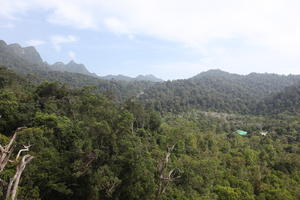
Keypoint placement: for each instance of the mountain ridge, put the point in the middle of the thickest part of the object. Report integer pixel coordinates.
(120, 77)
(14, 56)
(212, 90)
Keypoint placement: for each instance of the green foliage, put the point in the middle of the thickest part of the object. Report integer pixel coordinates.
(87, 146)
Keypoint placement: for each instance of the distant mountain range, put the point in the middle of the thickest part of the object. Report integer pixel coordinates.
(219, 91)
(26, 60)
(71, 67)
(120, 77)
(213, 90)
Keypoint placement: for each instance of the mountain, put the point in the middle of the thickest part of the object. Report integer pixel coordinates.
(28, 53)
(213, 90)
(287, 100)
(21, 60)
(26, 60)
(71, 67)
(149, 77)
(117, 77)
(216, 90)
(213, 73)
(86, 146)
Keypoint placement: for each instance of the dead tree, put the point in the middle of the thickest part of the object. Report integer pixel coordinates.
(86, 162)
(165, 175)
(5, 154)
(14, 182)
(6, 151)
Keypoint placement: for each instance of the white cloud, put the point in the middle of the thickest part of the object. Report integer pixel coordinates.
(115, 25)
(58, 40)
(9, 8)
(72, 55)
(270, 25)
(71, 13)
(118, 27)
(35, 42)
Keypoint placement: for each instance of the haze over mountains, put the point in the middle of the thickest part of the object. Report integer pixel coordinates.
(148, 77)
(213, 90)
(31, 58)
(219, 91)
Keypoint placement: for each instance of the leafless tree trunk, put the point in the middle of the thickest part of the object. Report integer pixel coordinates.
(14, 182)
(87, 160)
(5, 154)
(6, 151)
(165, 176)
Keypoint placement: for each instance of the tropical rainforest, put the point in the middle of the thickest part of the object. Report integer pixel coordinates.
(69, 136)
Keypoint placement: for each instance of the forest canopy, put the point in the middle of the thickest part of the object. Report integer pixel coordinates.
(87, 145)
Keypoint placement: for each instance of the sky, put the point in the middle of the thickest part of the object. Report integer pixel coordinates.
(171, 39)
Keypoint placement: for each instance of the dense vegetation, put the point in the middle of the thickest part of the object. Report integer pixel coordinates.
(287, 100)
(214, 90)
(27, 62)
(117, 90)
(218, 91)
(88, 146)
(106, 139)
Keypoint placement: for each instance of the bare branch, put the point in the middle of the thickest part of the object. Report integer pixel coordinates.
(26, 148)
(7, 150)
(165, 176)
(87, 161)
(5, 154)
(14, 182)
(14, 137)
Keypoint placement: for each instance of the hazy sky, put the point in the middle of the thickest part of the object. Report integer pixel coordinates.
(168, 38)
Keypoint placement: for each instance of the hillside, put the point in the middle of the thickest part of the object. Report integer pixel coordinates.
(86, 146)
(71, 67)
(25, 60)
(84, 114)
(287, 100)
(216, 90)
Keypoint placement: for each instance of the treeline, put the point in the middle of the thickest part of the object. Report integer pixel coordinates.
(113, 89)
(86, 146)
(220, 91)
(214, 90)
(285, 101)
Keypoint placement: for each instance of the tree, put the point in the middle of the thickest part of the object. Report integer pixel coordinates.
(5, 155)
(165, 174)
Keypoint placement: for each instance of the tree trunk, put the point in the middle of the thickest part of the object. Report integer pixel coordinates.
(14, 182)
(7, 150)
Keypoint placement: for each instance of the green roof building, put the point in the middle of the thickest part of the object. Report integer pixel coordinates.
(240, 132)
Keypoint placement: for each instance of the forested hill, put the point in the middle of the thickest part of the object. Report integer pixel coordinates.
(87, 147)
(26, 61)
(286, 101)
(216, 90)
